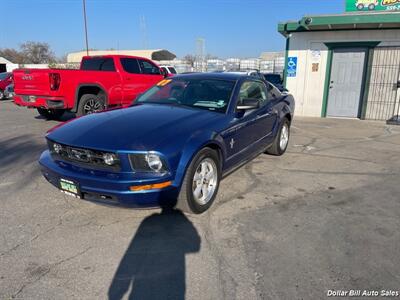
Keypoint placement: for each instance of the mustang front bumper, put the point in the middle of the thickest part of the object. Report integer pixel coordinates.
(107, 188)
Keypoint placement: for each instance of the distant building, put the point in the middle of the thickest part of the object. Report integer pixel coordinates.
(157, 54)
(6, 65)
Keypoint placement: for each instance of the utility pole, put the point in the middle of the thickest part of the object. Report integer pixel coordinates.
(86, 34)
(200, 54)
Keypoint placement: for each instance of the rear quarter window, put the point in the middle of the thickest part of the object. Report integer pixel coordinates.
(98, 64)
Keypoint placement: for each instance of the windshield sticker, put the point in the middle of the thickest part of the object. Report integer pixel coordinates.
(164, 82)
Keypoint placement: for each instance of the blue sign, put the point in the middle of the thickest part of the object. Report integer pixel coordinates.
(292, 66)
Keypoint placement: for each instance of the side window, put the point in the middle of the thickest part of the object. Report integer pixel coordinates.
(148, 68)
(253, 90)
(108, 65)
(130, 65)
(98, 64)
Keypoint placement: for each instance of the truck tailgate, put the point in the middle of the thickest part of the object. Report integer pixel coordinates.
(31, 82)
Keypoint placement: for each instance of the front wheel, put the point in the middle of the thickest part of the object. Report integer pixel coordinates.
(201, 182)
(360, 6)
(1, 95)
(371, 7)
(281, 141)
(51, 114)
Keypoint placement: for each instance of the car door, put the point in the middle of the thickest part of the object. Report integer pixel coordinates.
(244, 135)
(267, 115)
(150, 73)
(132, 79)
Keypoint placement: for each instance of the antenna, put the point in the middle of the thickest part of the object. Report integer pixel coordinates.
(143, 31)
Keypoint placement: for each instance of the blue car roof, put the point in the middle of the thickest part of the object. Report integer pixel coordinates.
(221, 76)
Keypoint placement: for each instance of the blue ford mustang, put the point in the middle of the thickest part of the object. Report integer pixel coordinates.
(174, 145)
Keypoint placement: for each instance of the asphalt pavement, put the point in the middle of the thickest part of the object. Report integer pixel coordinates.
(325, 216)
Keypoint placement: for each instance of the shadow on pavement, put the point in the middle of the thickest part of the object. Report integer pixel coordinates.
(153, 266)
(17, 152)
(65, 117)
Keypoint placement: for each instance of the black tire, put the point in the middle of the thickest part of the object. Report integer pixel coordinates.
(360, 6)
(371, 7)
(1, 95)
(89, 104)
(275, 148)
(186, 201)
(51, 114)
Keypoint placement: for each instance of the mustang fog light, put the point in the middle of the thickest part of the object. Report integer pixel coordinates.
(154, 162)
(57, 148)
(109, 159)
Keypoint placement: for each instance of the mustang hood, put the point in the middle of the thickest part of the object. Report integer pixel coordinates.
(142, 127)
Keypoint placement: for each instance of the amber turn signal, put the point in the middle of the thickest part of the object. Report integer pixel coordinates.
(154, 186)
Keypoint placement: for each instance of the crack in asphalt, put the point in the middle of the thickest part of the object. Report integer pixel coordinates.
(48, 269)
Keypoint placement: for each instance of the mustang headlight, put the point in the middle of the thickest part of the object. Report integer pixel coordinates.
(57, 148)
(148, 162)
(110, 159)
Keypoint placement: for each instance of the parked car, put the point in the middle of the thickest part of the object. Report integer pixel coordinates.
(9, 92)
(101, 82)
(173, 146)
(168, 70)
(254, 73)
(5, 80)
(276, 80)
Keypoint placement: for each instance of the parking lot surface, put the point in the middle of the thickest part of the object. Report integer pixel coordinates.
(325, 216)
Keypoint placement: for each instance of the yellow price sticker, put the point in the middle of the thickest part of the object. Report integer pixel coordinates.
(164, 82)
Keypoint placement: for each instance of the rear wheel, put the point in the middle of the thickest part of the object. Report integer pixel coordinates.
(89, 104)
(201, 183)
(360, 6)
(51, 114)
(281, 141)
(371, 7)
(1, 95)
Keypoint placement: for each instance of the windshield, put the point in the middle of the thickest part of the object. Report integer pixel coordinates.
(209, 94)
(4, 75)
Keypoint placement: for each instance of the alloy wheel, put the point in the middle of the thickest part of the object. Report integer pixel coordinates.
(284, 138)
(92, 106)
(205, 181)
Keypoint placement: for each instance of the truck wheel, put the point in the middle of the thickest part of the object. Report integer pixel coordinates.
(371, 6)
(360, 6)
(281, 141)
(51, 114)
(200, 185)
(89, 104)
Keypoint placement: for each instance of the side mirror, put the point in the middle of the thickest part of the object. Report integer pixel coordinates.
(163, 72)
(248, 103)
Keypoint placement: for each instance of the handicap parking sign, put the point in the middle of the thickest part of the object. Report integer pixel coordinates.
(292, 66)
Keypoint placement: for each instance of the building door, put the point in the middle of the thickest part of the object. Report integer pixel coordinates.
(346, 83)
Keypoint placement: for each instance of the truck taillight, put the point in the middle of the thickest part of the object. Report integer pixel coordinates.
(55, 80)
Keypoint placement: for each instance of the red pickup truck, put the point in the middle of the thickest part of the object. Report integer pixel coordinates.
(102, 82)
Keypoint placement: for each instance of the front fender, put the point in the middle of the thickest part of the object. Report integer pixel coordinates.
(198, 141)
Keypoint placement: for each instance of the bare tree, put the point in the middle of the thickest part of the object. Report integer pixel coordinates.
(190, 59)
(12, 55)
(37, 53)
